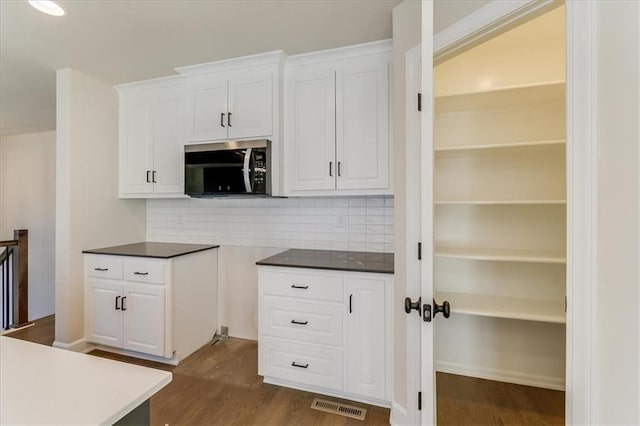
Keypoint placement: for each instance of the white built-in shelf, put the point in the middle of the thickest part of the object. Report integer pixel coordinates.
(507, 255)
(501, 97)
(493, 146)
(551, 311)
(499, 202)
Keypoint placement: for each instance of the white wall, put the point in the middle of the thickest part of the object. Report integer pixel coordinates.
(88, 211)
(617, 389)
(252, 229)
(406, 34)
(27, 201)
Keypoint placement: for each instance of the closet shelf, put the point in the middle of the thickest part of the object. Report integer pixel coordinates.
(508, 255)
(551, 311)
(509, 145)
(501, 97)
(500, 202)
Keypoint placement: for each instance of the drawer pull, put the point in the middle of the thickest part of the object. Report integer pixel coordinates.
(140, 273)
(299, 322)
(295, 364)
(101, 269)
(302, 287)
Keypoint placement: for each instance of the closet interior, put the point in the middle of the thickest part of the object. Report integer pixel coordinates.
(500, 206)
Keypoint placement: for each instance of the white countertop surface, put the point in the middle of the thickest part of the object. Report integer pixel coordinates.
(44, 385)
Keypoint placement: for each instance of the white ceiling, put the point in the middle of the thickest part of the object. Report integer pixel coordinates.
(119, 41)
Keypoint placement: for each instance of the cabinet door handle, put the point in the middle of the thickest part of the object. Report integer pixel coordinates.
(302, 287)
(101, 269)
(339, 168)
(351, 303)
(222, 119)
(299, 322)
(148, 173)
(153, 176)
(117, 307)
(140, 273)
(122, 305)
(331, 168)
(229, 121)
(295, 364)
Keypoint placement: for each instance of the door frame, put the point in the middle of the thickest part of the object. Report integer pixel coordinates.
(582, 147)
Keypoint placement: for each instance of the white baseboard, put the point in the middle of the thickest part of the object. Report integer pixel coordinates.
(519, 378)
(399, 415)
(175, 360)
(79, 345)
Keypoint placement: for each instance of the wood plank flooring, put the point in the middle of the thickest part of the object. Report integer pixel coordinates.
(219, 385)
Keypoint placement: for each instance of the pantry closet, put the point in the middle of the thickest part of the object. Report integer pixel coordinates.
(500, 206)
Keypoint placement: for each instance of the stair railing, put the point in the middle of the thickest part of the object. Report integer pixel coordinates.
(14, 276)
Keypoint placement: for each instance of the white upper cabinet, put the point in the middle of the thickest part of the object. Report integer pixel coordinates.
(232, 99)
(151, 138)
(337, 122)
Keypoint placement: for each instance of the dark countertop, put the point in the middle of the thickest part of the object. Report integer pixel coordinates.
(157, 250)
(358, 261)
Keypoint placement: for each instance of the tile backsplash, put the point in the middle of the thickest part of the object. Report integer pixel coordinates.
(325, 223)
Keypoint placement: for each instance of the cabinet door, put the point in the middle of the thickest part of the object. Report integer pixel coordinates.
(362, 123)
(144, 318)
(366, 341)
(168, 150)
(206, 109)
(250, 106)
(104, 321)
(136, 154)
(310, 128)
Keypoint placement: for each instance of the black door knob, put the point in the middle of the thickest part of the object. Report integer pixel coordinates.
(409, 305)
(444, 308)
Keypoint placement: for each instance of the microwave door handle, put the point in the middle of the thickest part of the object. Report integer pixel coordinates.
(245, 170)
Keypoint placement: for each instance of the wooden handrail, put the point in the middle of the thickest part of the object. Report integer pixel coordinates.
(21, 289)
(9, 243)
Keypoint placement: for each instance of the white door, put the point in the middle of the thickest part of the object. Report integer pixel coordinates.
(143, 309)
(250, 111)
(365, 325)
(104, 314)
(310, 128)
(206, 109)
(137, 154)
(168, 148)
(362, 123)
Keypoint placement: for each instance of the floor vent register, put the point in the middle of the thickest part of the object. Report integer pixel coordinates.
(337, 408)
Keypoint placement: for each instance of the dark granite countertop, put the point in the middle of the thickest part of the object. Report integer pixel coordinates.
(157, 250)
(338, 260)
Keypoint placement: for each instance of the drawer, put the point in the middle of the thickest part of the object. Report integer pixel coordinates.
(311, 365)
(302, 285)
(144, 271)
(104, 267)
(302, 321)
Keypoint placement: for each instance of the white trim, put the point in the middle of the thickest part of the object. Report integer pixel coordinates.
(547, 382)
(152, 83)
(399, 415)
(582, 175)
(493, 18)
(80, 345)
(175, 360)
(273, 57)
(347, 52)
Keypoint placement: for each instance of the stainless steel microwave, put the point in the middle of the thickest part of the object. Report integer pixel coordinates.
(228, 168)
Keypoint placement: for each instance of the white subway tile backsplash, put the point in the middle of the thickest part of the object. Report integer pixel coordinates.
(326, 223)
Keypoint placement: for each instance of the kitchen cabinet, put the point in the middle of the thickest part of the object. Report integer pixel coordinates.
(337, 131)
(151, 138)
(165, 307)
(233, 99)
(326, 331)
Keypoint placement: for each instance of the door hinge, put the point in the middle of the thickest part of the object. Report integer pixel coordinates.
(420, 401)
(419, 101)
(419, 251)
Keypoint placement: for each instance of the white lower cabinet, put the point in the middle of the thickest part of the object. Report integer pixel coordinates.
(326, 331)
(161, 307)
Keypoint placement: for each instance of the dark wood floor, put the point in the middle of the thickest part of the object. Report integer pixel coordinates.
(218, 385)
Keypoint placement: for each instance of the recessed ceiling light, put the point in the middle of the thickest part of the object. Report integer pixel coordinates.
(47, 6)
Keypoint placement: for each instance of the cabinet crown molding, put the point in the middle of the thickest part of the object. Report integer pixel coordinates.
(273, 57)
(346, 52)
(154, 83)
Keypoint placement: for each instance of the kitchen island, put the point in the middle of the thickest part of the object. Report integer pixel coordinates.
(44, 385)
